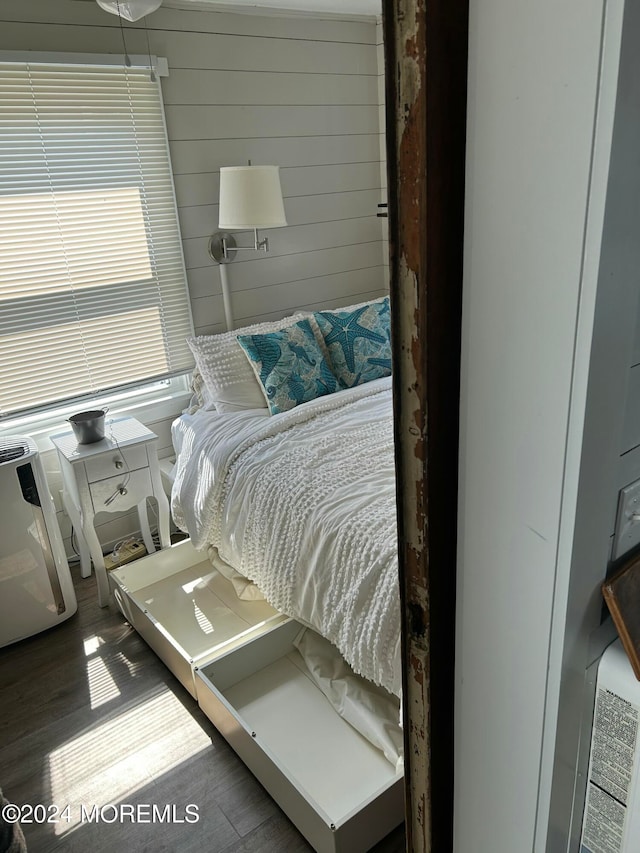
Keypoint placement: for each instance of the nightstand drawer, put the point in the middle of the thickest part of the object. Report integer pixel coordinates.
(138, 486)
(111, 464)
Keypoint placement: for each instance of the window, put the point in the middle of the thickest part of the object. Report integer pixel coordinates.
(93, 293)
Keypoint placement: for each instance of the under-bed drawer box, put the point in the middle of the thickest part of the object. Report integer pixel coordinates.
(185, 610)
(238, 659)
(339, 790)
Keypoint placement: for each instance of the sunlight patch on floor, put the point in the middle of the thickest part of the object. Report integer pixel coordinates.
(123, 754)
(102, 686)
(92, 644)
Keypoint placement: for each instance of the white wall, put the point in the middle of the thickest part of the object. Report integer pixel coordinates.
(292, 91)
(629, 466)
(540, 115)
(602, 469)
(383, 150)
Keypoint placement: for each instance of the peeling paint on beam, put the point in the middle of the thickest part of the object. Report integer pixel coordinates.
(407, 224)
(426, 60)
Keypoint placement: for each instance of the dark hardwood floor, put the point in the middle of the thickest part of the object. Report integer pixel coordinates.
(90, 717)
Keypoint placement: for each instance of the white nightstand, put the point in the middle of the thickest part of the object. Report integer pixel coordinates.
(111, 475)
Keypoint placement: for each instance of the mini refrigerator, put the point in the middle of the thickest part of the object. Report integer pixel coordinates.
(611, 822)
(36, 591)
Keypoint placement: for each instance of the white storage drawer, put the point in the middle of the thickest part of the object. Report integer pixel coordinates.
(138, 486)
(237, 658)
(185, 610)
(339, 790)
(111, 464)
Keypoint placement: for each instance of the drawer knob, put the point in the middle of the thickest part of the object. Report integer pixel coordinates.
(119, 491)
(118, 463)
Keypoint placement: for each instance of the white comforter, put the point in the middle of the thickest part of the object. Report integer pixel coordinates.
(303, 503)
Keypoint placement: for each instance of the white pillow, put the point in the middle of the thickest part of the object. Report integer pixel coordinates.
(229, 379)
(198, 393)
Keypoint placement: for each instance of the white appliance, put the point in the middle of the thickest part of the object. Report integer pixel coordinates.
(611, 822)
(36, 591)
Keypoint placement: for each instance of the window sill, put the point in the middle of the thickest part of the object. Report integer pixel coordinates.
(147, 406)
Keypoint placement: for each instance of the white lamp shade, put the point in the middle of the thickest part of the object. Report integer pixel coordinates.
(130, 10)
(251, 197)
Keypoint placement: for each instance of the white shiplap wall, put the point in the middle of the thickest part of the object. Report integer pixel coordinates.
(383, 149)
(298, 92)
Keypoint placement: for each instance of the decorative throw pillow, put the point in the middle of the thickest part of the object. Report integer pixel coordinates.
(230, 383)
(289, 365)
(358, 340)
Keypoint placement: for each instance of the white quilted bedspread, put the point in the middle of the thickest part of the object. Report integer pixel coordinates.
(303, 503)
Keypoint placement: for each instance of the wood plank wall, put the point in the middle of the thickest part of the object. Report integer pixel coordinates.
(298, 92)
(383, 150)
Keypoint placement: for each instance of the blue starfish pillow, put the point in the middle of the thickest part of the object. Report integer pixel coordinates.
(289, 365)
(358, 340)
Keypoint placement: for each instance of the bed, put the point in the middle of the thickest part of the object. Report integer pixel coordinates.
(301, 501)
(284, 481)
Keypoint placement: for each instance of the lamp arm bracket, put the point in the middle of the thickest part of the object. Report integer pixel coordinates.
(260, 244)
(223, 247)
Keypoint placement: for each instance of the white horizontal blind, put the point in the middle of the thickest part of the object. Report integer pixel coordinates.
(92, 285)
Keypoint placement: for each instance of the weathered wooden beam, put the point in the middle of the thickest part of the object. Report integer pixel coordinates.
(426, 68)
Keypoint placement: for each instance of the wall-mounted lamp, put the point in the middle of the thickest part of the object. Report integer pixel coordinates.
(250, 200)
